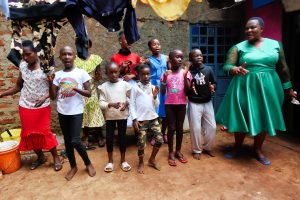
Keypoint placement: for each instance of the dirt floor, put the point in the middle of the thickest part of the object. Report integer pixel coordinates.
(209, 178)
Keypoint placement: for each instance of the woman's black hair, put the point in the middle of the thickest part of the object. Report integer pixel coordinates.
(260, 21)
(140, 66)
(29, 44)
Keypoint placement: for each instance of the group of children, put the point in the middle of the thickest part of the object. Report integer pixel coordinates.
(147, 89)
(142, 92)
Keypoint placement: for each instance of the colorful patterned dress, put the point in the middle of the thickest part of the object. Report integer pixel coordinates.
(252, 103)
(92, 114)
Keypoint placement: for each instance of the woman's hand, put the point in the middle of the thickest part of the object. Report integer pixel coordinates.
(40, 101)
(291, 93)
(240, 71)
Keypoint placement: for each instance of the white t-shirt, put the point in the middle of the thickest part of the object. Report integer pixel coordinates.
(73, 102)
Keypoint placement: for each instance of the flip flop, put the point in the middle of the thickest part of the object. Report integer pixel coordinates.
(224, 128)
(125, 166)
(181, 159)
(263, 160)
(229, 155)
(109, 167)
(37, 163)
(172, 162)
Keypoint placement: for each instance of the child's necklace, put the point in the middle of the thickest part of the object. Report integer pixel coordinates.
(145, 88)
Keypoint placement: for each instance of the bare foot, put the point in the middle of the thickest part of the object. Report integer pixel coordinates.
(154, 164)
(141, 168)
(197, 156)
(91, 170)
(71, 173)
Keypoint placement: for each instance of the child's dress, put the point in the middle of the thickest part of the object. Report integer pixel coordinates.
(92, 114)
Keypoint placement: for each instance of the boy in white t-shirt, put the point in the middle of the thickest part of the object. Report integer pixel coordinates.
(68, 86)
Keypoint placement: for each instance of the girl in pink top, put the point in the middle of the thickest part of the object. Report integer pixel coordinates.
(173, 83)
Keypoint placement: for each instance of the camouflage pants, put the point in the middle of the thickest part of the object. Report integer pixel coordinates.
(44, 34)
(152, 127)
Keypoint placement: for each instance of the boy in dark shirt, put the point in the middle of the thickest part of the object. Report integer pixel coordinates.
(200, 108)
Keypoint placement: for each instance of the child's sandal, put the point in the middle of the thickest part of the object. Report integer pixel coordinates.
(109, 167)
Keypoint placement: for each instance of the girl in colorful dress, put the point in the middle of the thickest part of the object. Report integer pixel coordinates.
(34, 108)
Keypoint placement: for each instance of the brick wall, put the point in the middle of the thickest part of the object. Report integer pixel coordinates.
(9, 116)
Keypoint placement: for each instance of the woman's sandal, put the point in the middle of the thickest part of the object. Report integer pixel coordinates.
(109, 167)
(58, 165)
(125, 166)
(37, 163)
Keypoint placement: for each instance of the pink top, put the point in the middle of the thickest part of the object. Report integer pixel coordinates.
(175, 88)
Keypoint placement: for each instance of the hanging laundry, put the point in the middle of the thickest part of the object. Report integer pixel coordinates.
(169, 10)
(4, 8)
(108, 13)
(44, 19)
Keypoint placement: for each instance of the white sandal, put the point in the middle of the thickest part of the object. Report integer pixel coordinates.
(125, 166)
(109, 167)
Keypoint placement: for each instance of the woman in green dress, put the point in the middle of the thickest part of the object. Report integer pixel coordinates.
(252, 104)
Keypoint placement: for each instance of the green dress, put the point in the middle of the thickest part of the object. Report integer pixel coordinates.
(92, 114)
(252, 103)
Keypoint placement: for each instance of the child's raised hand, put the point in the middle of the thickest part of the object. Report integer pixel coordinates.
(211, 87)
(123, 106)
(155, 91)
(136, 125)
(186, 69)
(144, 60)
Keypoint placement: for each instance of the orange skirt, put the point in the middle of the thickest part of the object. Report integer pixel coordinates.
(36, 133)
